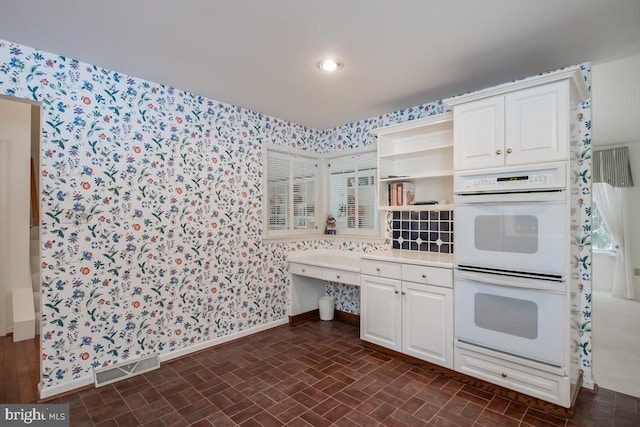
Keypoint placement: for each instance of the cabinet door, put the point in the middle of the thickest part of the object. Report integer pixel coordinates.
(380, 321)
(478, 132)
(537, 124)
(427, 323)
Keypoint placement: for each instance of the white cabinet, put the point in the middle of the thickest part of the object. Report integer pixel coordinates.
(507, 372)
(380, 311)
(518, 123)
(427, 323)
(479, 134)
(419, 152)
(413, 316)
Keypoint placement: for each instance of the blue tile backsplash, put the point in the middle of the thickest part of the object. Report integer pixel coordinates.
(426, 231)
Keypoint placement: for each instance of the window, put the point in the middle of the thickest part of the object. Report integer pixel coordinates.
(291, 194)
(353, 195)
(600, 236)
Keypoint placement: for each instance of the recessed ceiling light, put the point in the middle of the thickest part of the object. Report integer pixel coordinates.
(330, 65)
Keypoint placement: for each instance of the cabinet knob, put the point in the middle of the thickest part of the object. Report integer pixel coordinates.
(498, 152)
(504, 375)
(397, 291)
(424, 275)
(404, 293)
(509, 151)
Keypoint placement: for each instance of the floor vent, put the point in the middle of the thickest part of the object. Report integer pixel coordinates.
(111, 374)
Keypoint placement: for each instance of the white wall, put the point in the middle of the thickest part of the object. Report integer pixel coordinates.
(633, 207)
(15, 119)
(615, 114)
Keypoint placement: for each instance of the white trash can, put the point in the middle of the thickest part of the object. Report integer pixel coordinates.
(327, 305)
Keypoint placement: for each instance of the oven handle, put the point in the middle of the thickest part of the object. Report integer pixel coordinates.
(556, 196)
(558, 287)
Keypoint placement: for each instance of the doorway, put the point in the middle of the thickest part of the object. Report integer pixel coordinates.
(19, 143)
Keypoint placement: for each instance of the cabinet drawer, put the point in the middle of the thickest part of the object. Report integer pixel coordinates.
(371, 267)
(305, 270)
(427, 275)
(341, 276)
(525, 379)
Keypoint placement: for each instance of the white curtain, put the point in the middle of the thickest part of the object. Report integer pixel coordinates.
(611, 205)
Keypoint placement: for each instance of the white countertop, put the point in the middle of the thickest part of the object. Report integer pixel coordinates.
(412, 257)
(350, 260)
(330, 258)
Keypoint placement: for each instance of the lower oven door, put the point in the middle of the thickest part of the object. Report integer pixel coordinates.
(524, 322)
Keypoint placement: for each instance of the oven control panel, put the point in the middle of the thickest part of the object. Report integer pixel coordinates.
(526, 178)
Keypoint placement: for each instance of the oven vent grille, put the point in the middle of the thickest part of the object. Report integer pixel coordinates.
(111, 374)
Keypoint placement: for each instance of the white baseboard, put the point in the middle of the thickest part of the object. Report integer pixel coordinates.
(64, 388)
(220, 340)
(163, 357)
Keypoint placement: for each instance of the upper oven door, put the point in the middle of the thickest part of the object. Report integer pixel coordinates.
(521, 233)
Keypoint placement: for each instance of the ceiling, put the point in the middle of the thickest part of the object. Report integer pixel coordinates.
(263, 55)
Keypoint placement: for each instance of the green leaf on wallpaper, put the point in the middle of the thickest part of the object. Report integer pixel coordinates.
(54, 215)
(112, 92)
(111, 174)
(93, 146)
(33, 72)
(57, 322)
(55, 125)
(33, 90)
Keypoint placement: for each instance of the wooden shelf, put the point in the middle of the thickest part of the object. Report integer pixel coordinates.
(432, 174)
(417, 208)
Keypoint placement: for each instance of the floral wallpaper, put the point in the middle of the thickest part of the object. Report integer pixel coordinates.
(151, 224)
(581, 286)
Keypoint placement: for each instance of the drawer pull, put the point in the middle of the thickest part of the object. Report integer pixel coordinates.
(337, 276)
(378, 269)
(424, 275)
(303, 270)
(504, 375)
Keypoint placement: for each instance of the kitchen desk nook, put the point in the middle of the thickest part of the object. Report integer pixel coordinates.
(406, 297)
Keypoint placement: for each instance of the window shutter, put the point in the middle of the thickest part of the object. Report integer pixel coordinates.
(291, 193)
(353, 195)
(613, 167)
(278, 173)
(304, 193)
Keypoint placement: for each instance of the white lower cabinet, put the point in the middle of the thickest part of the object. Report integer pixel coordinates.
(548, 386)
(409, 317)
(427, 323)
(381, 311)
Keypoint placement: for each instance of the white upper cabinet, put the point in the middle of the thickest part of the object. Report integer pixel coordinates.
(517, 123)
(478, 130)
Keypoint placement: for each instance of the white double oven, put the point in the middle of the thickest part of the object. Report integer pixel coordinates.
(511, 228)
